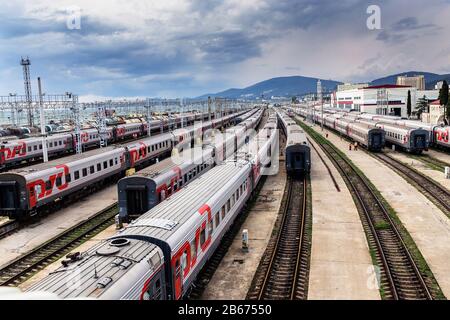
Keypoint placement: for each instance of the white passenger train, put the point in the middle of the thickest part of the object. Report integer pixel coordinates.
(24, 192)
(148, 187)
(19, 151)
(298, 151)
(159, 255)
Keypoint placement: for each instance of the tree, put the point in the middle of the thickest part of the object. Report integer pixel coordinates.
(408, 104)
(443, 94)
(422, 106)
(443, 97)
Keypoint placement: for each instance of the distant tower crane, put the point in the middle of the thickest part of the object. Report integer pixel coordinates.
(25, 62)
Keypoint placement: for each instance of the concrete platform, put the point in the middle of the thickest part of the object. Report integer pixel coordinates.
(28, 238)
(427, 225)
(422, 168)
(233, 277)
(341, 267)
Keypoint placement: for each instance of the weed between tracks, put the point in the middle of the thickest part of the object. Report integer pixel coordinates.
(410, 244)
(430, 162)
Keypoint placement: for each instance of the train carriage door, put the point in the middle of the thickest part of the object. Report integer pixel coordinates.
(9, 196)
(137, 200)
(178, 280)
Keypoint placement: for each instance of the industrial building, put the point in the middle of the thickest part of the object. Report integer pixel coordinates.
(383, 99)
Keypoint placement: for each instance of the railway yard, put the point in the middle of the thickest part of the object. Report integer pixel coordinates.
(286, 205)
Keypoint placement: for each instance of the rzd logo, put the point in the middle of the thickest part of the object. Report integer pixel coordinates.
(37, 189)
(10, 153)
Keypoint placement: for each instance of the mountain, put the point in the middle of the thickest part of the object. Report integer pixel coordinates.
(278, 87)
(430, 78)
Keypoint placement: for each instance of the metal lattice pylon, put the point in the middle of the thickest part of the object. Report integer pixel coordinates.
(25, 62)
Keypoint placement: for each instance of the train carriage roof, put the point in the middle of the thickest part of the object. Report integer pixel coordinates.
(102, 266)
(171, 215)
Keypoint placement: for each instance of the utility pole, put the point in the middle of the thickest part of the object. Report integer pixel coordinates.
(42, 121)
(320, 98)
(14, 116)
(101, 124)
(25, 63)
(149, 117)
(181, 112)
(209, 109)
(76, 113)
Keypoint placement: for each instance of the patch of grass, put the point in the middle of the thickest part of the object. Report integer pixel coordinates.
(383, 225)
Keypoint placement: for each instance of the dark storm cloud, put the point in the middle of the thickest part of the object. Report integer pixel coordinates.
(410, 23)
(405, 29)
(204, 6)
(19, 27)
(227, 47)
(23, 26)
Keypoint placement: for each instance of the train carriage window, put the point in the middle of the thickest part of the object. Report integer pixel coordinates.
(51, 144)
(105, 164)
(48, 185)
(29, 149)
(111, 162)
(91, 169)
(40, 147)
(68, 178)
(60, 142)
(84, 172)
(217, 219)
(228, 205)
(116, 161)
(99, 167)
(223, 212)
(185, 177)
(193, 249)
(77, 175)
(202, 237)
(58, 181)
(210, 227)
(35, 148)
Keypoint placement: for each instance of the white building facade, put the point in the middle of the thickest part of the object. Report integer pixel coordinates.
(384, 99)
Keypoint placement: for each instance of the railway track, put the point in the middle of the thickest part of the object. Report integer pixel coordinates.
(284, 270)
(433, 190)
(400, 276)
(20, 269)
(8, 227)
(213, 263)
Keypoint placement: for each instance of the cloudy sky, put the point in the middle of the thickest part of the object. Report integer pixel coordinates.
(185, 48)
